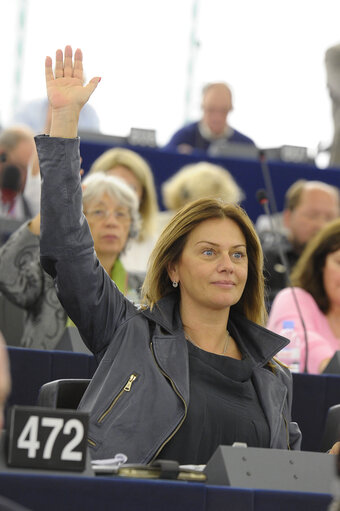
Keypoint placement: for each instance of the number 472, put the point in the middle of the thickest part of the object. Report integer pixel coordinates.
(28, 438)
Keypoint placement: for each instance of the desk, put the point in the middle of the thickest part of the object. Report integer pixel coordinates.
(246, 172)
(41, 492)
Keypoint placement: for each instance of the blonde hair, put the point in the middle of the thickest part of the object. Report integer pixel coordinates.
(172, 240)
(199, 180)
(148, 207)
(308, 271)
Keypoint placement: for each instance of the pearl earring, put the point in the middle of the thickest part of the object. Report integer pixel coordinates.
(175, 284)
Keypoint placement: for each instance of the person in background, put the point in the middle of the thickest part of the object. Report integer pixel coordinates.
(18, 155)
(309, 205)
(111, 208)
(133, 169)
(332, 64)
(316, 280)
(191, 369)
(37, 116)
(195, 181)
(213, 126)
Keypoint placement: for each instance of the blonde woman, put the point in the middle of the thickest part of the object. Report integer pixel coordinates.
(133, 169)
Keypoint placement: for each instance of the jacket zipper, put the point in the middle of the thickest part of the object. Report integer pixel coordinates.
(181, 398)
(126, 388)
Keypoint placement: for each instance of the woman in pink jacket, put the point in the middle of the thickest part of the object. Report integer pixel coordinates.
(316, 281)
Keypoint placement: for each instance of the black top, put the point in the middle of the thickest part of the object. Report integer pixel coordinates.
(223, 409)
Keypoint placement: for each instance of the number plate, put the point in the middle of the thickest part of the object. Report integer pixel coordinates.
(47, 438)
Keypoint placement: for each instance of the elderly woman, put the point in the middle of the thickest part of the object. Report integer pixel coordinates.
(133, 169)
(193, 368)
(316, 281)
(111, 208)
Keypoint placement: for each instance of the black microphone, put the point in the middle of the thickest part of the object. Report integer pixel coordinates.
(262, 198)
(10, 187)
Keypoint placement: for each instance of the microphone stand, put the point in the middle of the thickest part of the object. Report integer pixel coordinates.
(264, 197)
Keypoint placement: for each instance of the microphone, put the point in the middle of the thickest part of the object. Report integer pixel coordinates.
(262, 198)
(10, 187)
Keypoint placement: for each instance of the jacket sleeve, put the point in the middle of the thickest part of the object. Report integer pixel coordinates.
(284, 308)
(21, 275)
(293, 430)
(85, 290)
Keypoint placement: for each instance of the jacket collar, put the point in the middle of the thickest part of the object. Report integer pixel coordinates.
(262, 344)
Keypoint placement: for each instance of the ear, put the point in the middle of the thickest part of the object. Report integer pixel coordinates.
(173, 272)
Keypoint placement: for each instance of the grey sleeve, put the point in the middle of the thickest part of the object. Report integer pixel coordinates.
(21, 277)
(85, 290)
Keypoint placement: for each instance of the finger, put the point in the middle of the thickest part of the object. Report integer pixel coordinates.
(78, 64)
(59, 68)
(92, 85)
(68, 66)
(48, 69)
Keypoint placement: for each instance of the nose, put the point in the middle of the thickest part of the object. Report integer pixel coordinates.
(111, 218)
(225, 264)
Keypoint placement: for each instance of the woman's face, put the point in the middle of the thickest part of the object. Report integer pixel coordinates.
(213, 268)
(109, 222)
(129, 177)
(331, 278)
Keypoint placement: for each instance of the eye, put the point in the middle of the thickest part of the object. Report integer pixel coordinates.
(98, 212)
(208, 252)
(239, 255)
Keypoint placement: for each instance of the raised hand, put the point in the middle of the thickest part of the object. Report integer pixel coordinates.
(66, 92)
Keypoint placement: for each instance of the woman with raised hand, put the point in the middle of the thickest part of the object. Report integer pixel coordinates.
(191, 369)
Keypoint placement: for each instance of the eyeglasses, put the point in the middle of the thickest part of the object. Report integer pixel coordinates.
(100, 214)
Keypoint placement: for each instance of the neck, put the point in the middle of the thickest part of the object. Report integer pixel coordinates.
(107, 262)
(206, 328)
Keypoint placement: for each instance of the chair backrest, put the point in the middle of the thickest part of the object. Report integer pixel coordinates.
(62, 393)
(331, 432)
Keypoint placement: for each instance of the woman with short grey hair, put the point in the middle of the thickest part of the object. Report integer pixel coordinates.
(111, 208)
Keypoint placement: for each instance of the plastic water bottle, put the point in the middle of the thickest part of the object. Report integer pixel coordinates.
(291, 354)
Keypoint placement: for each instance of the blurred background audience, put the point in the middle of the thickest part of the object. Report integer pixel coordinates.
(134, 170)
(19, 174)
(195, 181)
(316, 281)
(213, 126)
(36, 115)
(111, 208)
(309, 205)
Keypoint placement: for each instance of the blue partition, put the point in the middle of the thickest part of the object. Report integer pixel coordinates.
(30, 369)
(247, 172)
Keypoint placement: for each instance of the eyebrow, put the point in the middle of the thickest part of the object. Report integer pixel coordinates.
(217, 244)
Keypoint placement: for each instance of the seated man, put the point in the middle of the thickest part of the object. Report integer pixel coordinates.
(309, 205)
(19, 174)
(216, 105)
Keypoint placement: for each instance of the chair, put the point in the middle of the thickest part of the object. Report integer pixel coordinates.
(331, 432)
(62, 393)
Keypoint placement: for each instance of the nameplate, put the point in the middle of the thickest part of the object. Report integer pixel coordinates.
(44, 438)
(271, 469)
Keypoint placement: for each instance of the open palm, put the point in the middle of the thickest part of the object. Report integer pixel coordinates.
(65, 87)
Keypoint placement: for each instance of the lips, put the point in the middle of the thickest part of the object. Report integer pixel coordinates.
(110, 237)
(224, 283)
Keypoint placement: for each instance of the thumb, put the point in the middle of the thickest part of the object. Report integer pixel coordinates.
(92, 85)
